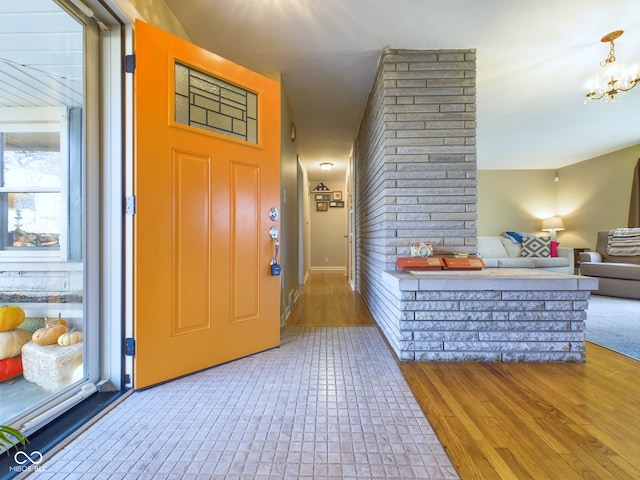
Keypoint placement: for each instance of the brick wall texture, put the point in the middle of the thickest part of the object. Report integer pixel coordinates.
(415, 157)
(487, 325)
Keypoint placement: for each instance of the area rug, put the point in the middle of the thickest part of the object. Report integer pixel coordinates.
(614, 323)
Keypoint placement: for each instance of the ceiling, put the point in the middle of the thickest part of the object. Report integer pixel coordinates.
(40, 56)
(533, 58)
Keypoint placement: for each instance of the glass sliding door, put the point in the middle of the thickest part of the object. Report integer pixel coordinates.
(45, 317)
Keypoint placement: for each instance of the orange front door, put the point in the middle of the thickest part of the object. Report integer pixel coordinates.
(206, 175)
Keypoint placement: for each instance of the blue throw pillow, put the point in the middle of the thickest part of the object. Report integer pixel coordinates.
(515, 237)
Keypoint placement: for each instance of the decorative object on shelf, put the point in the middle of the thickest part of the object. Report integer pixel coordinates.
(336, 196)
(613, 78)
(321, 187)
(439, 263)
(326, 166)
(421, 249)
(552, 225)
(322, 206)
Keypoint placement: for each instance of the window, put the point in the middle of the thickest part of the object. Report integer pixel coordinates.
(48, 198)
(36, 185)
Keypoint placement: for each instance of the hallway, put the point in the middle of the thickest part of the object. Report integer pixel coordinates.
(330, 403)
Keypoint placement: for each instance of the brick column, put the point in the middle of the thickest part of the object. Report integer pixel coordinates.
(415, 160)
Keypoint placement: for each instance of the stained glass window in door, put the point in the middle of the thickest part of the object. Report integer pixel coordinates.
(212, 104)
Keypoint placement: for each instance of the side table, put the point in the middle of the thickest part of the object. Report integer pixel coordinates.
(576, 258)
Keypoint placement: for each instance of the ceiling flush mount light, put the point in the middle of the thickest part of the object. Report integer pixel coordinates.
(613, 78)
(326, 166)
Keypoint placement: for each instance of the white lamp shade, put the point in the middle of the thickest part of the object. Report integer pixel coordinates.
(553, 223)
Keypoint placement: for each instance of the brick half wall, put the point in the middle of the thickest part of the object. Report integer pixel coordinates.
(507, 316)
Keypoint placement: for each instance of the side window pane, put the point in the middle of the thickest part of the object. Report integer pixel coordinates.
(31, 180)
(43, 175)
(32, 159)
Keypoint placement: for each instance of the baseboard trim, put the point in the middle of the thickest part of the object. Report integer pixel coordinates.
(329, 269)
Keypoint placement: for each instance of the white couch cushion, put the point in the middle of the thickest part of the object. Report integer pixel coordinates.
(491, 247)
(550, 262)
(512, 249)
(490, 262)
(521, 262)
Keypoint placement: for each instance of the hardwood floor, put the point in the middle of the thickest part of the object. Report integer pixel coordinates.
(327, 300)
(556, 421)
(512, 421)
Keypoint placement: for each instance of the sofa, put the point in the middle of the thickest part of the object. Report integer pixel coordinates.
(505, 252)
(618, 270)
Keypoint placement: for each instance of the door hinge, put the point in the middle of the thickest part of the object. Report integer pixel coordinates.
(129, 63)
(130, 347)
(130, 205)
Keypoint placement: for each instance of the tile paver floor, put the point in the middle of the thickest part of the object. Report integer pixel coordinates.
(330, 403)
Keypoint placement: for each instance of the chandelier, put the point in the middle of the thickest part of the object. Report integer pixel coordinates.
(613, 78)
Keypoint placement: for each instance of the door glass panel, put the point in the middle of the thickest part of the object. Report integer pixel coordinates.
(42, 185)
(211, 104)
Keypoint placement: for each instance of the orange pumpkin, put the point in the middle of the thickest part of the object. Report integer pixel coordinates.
(10, 368)
(49, 335)
(10, 317)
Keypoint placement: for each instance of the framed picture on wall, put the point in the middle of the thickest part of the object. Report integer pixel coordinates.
(322, 206)
(323, 197)
(336, 195)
